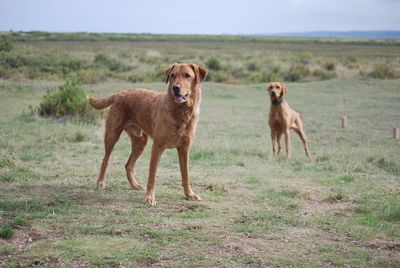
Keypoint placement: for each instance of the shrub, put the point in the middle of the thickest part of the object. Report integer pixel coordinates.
(68, 100)
(257, 78)
(330, 65)
(12, 60)
(219, 77)
(238, 73)
(305, 58)
(5, 73)
(382, 72)
(297, 73)
(272, 77)
(324, 75)
(5, 46)
(214, 64)
(252, 67)
(103, 60)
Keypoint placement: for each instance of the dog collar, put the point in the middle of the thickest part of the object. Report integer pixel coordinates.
(277, 102)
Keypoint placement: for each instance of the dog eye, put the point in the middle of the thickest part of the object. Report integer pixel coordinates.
(172, 76)
(187, 75)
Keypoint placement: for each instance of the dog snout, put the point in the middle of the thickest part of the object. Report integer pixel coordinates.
(176, 89)
(273, 93)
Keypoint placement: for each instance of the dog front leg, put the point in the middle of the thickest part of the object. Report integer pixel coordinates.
(183, 153)
(274, 140)
(150, 197)
(287, 142)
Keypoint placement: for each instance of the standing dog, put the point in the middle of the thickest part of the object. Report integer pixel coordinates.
(282, 118)
(170, 119)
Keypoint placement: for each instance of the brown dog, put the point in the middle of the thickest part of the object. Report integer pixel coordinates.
(170, 119)
(282, 118)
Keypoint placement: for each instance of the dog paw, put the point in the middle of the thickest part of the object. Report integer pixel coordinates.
(137, 186)
(101, 184)
(150, 199)
(193, 196)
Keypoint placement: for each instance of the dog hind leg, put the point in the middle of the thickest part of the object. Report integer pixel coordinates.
(138, 146)
(114, 127)
(299, 130)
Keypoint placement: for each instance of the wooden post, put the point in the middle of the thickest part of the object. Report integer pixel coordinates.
(396, 133)
(302, 116)
(345, 122)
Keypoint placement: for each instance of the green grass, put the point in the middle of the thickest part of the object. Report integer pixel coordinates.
(339, 209)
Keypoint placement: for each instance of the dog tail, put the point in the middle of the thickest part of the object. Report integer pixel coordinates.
(100, 103)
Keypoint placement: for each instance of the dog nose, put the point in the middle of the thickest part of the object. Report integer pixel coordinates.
(273, 93)
(176, 89)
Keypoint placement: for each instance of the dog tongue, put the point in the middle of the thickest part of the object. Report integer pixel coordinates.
(178, 98)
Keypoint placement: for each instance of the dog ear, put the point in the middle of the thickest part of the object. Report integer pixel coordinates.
(285, 89)
(168, 71)
(268, 88)
(200, 72)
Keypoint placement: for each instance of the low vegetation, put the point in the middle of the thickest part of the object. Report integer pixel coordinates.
(69, 100)
(232, 59)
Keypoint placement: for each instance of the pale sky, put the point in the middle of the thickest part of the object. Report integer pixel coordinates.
(199, 17)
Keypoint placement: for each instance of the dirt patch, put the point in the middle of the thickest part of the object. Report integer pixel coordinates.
(50, 262)
(261, 249)
(374, 244)
(313, 200)
(22, 239)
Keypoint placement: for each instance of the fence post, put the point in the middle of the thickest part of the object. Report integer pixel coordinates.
(345, 122)
(396, 133)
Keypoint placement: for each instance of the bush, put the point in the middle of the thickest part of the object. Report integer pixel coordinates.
(330, 65)
(5, 46)
(12, 60)
(214, 64)
(305, 58)
(219, 77)
(297, 73)
(5, 73)
(110, 63)
(256, 79)
(68, 100)
(252, 67)
(324, 75)
(382, 72)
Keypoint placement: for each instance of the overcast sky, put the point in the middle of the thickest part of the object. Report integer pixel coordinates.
(199, 17)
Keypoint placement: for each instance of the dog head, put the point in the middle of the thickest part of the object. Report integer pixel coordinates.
(276, 90)
(184, 80)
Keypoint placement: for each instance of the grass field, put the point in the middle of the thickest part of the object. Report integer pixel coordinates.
(342, 208)
(97, 58)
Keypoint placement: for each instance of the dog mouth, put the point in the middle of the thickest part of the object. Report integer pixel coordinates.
(274, 95)
(181, 98)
